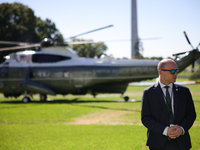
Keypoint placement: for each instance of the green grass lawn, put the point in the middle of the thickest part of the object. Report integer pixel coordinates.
(80, 122)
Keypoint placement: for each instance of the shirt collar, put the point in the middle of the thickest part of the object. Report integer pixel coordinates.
(162, 85)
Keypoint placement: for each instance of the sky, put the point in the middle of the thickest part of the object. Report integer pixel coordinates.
(161, 21)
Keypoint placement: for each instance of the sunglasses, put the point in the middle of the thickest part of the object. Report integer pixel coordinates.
(172, 71)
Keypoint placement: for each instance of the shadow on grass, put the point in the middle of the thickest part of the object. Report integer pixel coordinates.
(67, 101)
(109, 108)
(74, 102)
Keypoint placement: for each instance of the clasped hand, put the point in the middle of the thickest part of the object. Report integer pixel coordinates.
(174, 131)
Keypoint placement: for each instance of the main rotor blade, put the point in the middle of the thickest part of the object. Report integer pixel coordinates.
(90, 31)
(19, 47)
(86, 42)
(14, 43)
(81, 42)
(156, 38)
(188, 39)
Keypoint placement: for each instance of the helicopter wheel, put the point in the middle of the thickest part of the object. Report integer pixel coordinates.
(126, 98)
(94, 95)
(43, 97)
(26, 99)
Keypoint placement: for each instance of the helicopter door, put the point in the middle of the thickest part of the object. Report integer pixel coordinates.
(4, 70)
(77, 77)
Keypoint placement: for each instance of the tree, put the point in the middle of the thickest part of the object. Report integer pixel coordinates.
(18, 23)
(89, 50)
(47, 29)
(138, 48)
(195, 76)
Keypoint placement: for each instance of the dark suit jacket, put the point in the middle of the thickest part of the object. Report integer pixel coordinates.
(154, 115)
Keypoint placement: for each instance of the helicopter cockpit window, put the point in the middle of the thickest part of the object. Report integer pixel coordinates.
(48, 58)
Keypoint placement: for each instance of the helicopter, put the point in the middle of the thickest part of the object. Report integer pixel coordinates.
(59, 70)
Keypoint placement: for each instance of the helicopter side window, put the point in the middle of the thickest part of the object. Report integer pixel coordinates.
(3, 72)
(48, 58)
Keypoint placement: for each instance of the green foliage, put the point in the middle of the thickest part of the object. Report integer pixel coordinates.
(185, 74)
(138, 49)
(159, 58)
(89, 50)
(195, 75)
(47, 29)
(18, 23)
(149, 58)
(50, 125)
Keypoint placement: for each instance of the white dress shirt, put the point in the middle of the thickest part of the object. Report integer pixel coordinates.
(170, 93)
(170, 89)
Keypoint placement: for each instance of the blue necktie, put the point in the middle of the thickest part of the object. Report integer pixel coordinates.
(169, 106)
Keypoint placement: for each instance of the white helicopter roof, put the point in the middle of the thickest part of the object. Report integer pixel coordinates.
(60, 50)
(25, 58)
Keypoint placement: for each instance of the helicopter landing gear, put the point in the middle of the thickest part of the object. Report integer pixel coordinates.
(94, 95)
(43, 97)
(126, 98)
(26, 99)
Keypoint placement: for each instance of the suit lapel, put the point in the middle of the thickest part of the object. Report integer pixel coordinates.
(160, 97)
(176, 99)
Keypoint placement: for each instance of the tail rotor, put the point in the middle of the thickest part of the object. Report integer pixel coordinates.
(188, 39)
(193, 51)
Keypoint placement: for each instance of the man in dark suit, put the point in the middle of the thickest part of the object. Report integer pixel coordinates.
(167, 111)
